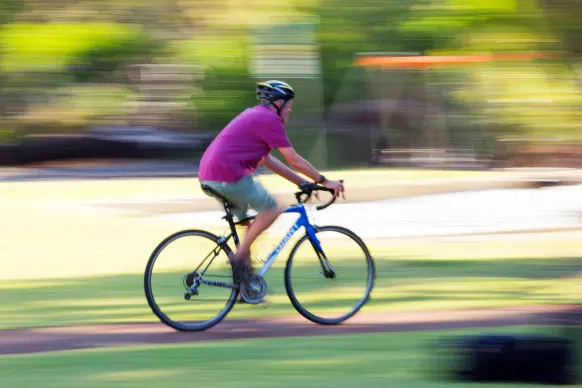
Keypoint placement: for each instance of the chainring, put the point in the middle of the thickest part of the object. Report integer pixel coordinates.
(253, 291)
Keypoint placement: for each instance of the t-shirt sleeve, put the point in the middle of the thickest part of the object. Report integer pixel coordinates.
(275, 135)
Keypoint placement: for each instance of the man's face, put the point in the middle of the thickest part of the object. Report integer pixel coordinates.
(286, 111)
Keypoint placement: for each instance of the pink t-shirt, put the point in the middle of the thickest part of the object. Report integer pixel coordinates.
(238, 149)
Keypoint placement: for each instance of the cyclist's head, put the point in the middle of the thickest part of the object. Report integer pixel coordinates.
(277, 94)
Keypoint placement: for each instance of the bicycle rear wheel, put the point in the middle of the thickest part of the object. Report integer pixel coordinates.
(188, 281)
(329, 300)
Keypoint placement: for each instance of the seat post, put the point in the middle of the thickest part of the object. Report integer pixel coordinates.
(230, 219)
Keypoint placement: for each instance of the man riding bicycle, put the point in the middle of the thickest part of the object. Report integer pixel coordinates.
(227, 166)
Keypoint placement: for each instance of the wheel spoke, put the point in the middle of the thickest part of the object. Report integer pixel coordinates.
(331, 285)
(208, 299)
(214, 252)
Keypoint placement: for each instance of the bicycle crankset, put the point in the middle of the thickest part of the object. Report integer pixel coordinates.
(254, 289)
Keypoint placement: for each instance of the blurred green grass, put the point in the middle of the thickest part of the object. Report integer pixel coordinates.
(370, 360)
(400, 285)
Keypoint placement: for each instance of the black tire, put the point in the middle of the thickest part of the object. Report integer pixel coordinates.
(183, 326)
(369, 280)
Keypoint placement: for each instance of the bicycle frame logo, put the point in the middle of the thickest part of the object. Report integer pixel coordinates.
(286, 239)
(302, 221)
(278, 248)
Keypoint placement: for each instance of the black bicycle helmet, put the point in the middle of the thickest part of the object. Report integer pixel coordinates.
(270, 91)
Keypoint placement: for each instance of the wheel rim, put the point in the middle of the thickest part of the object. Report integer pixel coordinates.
(327, 300)
(165, 282)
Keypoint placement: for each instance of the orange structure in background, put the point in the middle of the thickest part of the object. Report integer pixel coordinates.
(434, 60)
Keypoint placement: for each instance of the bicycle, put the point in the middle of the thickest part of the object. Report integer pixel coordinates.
(195, 284)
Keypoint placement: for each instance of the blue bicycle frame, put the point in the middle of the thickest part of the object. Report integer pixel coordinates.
(302, 221)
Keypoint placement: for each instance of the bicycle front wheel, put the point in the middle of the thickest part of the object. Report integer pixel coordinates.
(331, 287)
(188, 281)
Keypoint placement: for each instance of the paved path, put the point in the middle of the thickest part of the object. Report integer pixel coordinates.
(489, 211)
(21, 341)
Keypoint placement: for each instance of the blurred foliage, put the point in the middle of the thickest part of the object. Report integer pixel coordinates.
(66, 64)
(563, 18)
(226, 87)
(60, 74)
(537, 100)
(50, 46)
(530, 100)
(73, 108)
(348, 27)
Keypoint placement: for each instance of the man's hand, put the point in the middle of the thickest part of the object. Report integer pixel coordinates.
(336, 186)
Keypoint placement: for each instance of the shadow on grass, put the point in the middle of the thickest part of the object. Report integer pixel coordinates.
(550, 268)
(398, 284)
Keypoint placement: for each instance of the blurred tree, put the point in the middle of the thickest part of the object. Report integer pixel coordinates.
(8, 11)
(52, 64)
(563, 17)
(422, 26)
(532, 100)
(527, 99)
(215, 34)
(348, 27)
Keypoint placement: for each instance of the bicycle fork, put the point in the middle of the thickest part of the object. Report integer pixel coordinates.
(327, 269)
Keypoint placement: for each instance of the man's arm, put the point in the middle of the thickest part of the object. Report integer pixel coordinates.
(303, 166)
(275, 165)
(297, 162)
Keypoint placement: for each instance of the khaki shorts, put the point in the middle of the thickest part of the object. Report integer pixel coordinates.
(243, 195)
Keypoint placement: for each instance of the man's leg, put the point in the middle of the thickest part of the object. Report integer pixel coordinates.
(261, 223)
(253, 195)
(241, 261)
(243, 194)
